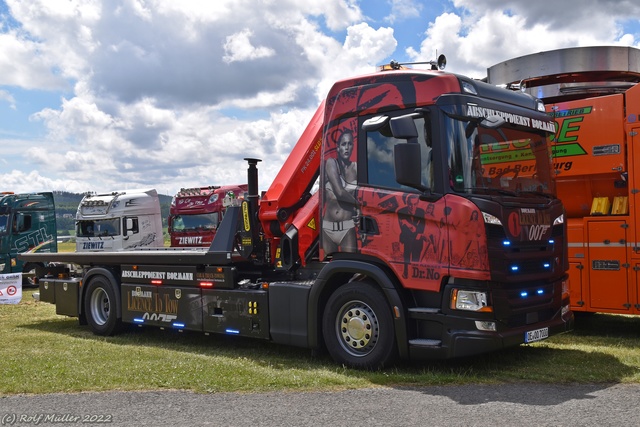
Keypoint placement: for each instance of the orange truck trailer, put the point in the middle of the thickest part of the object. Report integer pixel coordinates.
(408, 249)
(593, 95)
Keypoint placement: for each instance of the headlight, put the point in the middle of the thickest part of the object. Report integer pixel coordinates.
(2, 266)
(469, 300)
(468, 88)
(483, 325)
(559, 220)
(490, 219)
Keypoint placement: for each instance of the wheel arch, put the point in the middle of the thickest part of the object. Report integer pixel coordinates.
(31, 264)
(339, 272)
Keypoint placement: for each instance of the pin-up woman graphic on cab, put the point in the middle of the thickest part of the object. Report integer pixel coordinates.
(338, 224)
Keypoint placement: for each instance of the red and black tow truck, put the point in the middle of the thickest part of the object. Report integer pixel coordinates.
(435, 232)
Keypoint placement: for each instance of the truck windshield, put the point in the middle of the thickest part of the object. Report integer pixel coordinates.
(207, 221)
(4, 221)
(506, 158)
(98, 228)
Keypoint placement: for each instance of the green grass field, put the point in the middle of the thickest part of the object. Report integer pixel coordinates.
(67, 246)
(42, 352)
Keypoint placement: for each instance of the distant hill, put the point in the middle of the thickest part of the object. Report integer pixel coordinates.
(67, 204)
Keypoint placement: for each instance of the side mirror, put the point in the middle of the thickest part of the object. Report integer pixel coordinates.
(408, 165)
(375, 123)
(404, 127)
(129, 228)
(406, 156)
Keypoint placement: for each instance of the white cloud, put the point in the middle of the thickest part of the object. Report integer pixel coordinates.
(367, 45)
(22, 64)
(364, 47)
(583, 16)
(337, 14)
(402, 9)
(238, 47)
(154, 80)
(18, 181)
(486, 33)
(59, 33)
(174, 94)
(7, 97)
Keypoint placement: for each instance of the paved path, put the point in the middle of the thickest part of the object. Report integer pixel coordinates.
(472, 405)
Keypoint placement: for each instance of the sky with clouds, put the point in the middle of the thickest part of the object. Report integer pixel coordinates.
(100, 95)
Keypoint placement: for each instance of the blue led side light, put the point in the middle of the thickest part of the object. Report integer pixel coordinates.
(546, 265)
(232, 331)
(138, 320)
(524, 294)
(506, 243)
(540, 292)
(178, 325)
(514, 268)
(551, 242)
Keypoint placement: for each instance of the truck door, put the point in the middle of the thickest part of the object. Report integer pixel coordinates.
(634, 185)
(608, 285)
(396, 225)
(575, 232)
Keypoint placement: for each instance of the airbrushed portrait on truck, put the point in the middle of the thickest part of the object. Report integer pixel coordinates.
(408, 249)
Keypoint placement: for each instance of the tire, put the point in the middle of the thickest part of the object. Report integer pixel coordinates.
(357, 326)
(100, 307)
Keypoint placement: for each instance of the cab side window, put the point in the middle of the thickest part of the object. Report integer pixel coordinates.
(21, 223)
(379, 156)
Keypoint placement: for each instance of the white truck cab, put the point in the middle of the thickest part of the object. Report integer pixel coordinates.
(119, 220)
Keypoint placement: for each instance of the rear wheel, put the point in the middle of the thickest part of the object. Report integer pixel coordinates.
(358, 327)
(100, 307)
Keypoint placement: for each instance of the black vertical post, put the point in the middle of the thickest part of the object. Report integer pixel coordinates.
(249, 238)
(252, 183)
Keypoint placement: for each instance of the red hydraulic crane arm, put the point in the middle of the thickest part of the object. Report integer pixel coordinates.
(291, 188)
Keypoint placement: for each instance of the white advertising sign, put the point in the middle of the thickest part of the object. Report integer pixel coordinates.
(10, 288)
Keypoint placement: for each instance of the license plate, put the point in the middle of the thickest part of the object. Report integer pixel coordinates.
(537, 335)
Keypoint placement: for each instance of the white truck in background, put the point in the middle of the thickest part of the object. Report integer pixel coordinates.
(119, 220)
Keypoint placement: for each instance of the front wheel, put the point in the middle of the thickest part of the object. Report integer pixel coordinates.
(100, 307)
(358, 327)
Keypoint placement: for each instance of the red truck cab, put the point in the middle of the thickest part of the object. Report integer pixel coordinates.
(196, 213)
